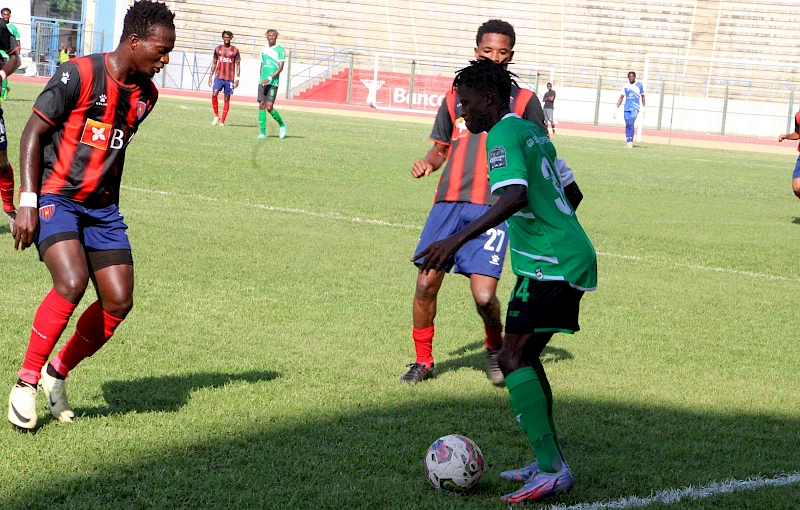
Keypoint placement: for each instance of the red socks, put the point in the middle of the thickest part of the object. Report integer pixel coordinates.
(423, 344)
(94, 329)
(225, 108)
(215, 104)
(50, 321)
(494, 337)
(7, 189)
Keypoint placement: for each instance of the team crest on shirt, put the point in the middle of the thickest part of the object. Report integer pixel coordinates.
(96, 134)
(141, 108)
(46, 212)
(461, 125)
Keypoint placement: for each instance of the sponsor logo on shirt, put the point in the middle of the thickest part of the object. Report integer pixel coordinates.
(497, 158)
(530, 142)
(96, 134)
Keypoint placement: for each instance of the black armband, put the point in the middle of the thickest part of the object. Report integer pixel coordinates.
(573, 194)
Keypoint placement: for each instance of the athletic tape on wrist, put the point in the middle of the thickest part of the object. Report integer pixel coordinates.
(28, 199)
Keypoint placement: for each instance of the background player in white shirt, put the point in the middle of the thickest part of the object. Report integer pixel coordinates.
(633, 94)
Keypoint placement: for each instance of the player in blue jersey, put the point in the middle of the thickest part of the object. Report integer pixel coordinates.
(633, 94)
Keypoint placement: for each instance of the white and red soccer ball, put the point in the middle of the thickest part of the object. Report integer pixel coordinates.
(453, 463)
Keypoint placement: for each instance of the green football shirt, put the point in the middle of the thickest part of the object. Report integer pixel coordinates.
(547, 242)
(271, 58)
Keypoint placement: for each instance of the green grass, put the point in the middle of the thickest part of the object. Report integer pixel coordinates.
(259, 366)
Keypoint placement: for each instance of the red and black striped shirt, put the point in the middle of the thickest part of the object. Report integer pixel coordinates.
(226, 59)
(465, 177)
(95, 117)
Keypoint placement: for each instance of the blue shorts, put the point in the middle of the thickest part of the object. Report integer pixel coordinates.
(226, 86)
(483, 255)
(796, 173)
(97, 229)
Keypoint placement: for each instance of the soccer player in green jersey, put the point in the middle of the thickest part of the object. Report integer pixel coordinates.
(551, 255)
(6, 14)
(272, 59)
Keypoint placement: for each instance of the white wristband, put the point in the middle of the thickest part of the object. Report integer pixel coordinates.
(28, 199)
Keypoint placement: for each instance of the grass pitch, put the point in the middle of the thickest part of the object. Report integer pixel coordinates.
(259, 366)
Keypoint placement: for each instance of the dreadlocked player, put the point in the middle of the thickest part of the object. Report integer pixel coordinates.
(551, 255)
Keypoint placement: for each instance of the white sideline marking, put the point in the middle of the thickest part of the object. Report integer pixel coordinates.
(339, 217)
(702, 268)
(670, 496)
(329, 216)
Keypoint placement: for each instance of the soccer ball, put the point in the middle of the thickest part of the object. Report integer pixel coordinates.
(453, 463)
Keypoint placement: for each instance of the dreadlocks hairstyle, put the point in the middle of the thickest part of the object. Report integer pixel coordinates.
(496, 26)
(143, 16)
(485, 75)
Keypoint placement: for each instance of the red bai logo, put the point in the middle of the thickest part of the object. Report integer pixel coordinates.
(141, 108)
(47, 211)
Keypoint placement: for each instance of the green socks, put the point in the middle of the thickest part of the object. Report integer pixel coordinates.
(262, 121)
(277, 117)
(530, 405)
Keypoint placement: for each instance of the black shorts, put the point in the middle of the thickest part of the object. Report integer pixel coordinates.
(267, 93)
(541, 307)
(3, 136)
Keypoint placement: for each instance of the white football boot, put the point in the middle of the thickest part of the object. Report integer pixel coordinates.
(215, 121)
(55, 391)
(22, 406)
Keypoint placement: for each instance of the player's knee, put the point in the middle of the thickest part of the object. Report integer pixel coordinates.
(796, 187)
(484, 299)
(269, 107)
(426, 290)
(509, 360)
(71, 287)
(118, 306)
(4, 166)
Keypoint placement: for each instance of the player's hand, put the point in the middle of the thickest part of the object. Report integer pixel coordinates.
(264, 82)
(781, 138)
(421, 168)
(24, 227)
(615, 113)
(644, 111)
(209, 81)
(437, 254)
(236, 83)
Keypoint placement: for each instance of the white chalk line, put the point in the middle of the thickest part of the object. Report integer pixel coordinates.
(367, 221)
(670, 496)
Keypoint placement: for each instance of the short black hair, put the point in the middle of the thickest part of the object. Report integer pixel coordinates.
(227, 32)
(485, 75)
(631, 73)
(496, 26)
(549, 83)
(143, 16)
(5, 9)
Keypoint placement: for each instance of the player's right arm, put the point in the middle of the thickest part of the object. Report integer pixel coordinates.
(213, 67)
(50, 111)
(441, 133)
(432, 161)
(30, 151)
(789, 136)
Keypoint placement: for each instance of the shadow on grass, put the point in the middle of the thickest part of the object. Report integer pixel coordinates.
(796, 221)
(163, 394)
(473, 356)
(370, 456)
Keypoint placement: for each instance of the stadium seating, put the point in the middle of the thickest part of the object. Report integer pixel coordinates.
(583, 38)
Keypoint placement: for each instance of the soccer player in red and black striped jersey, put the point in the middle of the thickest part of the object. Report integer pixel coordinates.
(71, 157)
(10, 45)
(463, 195)
(225, 68)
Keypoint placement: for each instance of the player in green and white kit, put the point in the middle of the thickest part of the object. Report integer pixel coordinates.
(551, 255)
(6, 14)
(272, 59)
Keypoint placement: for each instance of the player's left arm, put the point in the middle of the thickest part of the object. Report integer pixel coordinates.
(13, 62)
(571, 189)
(238, 60)
(213, 67)
(513, 199)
